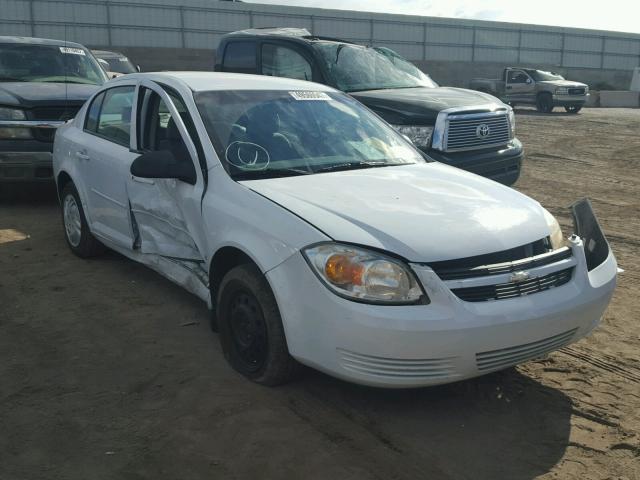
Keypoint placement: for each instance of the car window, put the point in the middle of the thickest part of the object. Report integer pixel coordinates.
(91, 121)
(114, 121)
(240, 57)
(160, 131)
(517, 76)
(279, 61)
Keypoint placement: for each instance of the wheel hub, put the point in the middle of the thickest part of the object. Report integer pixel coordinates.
(248, 330)
(72, 222)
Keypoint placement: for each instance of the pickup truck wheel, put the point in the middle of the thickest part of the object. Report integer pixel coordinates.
(251, 331)
(573, 109)
(76, 230)
(544, 103)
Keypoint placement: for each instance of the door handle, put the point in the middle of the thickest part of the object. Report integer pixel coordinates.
(146, 181)
(82, 156)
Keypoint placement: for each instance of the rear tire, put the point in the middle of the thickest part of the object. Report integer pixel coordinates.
(76, 229)
(544, 103)
(573, 109)
(250, 326)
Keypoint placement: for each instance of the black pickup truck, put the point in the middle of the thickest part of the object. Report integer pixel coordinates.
(464, 128)
(43, 83)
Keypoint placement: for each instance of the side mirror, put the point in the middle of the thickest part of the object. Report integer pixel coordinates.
(138, 68)
(528, 80)
(163, 164)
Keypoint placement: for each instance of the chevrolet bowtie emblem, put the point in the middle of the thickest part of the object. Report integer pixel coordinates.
(519, 277)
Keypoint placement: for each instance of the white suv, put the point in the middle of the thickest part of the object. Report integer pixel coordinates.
(318, 235)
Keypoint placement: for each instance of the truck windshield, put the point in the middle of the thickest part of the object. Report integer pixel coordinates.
(119, 64)
(48, 63)
(356, 68)
(265, 134)
(541, 75)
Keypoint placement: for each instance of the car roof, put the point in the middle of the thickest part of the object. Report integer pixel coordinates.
(39, 41)
(107, 53)
(283, 33)
(205, 81)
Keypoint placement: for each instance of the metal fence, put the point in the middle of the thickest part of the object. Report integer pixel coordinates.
(201, 23)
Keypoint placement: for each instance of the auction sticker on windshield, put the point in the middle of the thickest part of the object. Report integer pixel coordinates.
(73, 51)
(310, 95)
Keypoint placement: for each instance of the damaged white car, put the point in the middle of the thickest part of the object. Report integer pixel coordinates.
(320, 236)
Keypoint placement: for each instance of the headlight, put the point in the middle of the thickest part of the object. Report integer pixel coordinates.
(419, 135)
(555, 232)
(11, 114)
(512, 122)
(562, 91)
(364, 275)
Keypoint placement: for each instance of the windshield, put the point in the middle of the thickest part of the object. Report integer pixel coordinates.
(541, 76)
(263, 134)
(119, 64)
(354, 68)
(48, 63)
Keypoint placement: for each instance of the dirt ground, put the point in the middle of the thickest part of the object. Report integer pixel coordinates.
(108, 371)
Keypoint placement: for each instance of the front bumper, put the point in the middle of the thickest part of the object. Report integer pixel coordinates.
(27, 166)
(445, 341)
(502, 165)
(569, 100)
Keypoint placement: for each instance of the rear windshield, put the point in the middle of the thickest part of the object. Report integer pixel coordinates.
(48, 63)
(355, 68)
(263, 134)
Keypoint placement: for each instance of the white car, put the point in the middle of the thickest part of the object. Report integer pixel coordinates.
(320, 236)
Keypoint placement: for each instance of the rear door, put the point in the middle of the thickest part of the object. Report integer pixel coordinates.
(105, 157)
(167, 212)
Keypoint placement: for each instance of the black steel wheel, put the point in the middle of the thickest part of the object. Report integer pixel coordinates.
(573, 108)
(544, 103)
(250, 327)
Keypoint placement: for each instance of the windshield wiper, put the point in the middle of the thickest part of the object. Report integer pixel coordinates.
(269, 173)
(354, 166)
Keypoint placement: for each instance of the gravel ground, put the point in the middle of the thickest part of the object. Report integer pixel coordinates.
(109, 371)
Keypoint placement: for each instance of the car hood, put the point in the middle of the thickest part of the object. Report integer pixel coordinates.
(32, 94)
(421, 105)
(424, 213)
(563, 83)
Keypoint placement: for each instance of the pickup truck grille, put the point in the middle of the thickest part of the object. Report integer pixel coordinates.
(57, 112)
(576, 91)
(477, 131)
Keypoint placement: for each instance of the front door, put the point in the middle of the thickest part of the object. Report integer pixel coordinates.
(519, 86)
(166, 212)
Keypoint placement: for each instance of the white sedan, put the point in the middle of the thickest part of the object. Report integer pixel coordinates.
(318, 235)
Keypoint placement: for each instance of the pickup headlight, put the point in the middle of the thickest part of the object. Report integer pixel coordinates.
(364, 275)
(562, 91)
(11, 114)
(419, 135)
(512, 122)
(555, 232)
(13, 133)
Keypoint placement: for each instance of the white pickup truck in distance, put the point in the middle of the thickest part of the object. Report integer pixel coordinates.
(545, 90)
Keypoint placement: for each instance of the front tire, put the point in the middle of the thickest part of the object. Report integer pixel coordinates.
(544, 103)
(250, 326)
(76, 229)
(573, 108)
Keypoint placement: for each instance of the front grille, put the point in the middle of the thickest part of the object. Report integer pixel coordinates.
(476, 131)
(507, 357)
(514, 289)
(397, 368)
(455, 269)
(504, 267)
(62, 112)
(576, 91)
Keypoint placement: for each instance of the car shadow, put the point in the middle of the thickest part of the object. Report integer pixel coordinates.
(534, 113)
(502, 425)
(28, 193)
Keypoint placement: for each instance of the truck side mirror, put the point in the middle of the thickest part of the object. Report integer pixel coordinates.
(528, 80)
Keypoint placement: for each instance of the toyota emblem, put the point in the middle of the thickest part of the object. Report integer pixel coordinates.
(483, 130)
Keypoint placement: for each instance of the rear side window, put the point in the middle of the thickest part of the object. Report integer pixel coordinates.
(91, 121)
(114, 122)
(279, 61)
(240, 57)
